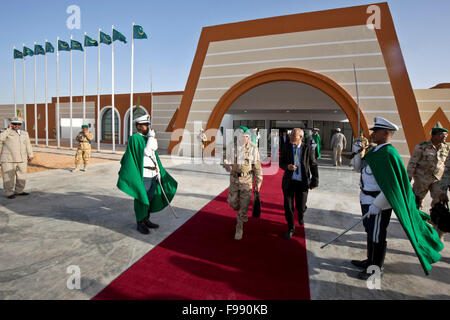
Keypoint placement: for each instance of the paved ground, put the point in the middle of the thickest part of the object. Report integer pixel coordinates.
(82, 219)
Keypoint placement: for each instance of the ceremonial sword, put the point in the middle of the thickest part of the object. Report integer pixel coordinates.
(165, 196)
(354, 225)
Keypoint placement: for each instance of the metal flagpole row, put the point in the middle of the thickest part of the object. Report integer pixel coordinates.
(24, 93)
(98, 94)
(84, 83)
(132, 83)
(70, 104)
(35, 105)
(15, 85)
(46, 97)
(113, 131)
(58, 129)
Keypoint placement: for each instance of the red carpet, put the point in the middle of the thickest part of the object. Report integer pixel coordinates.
(201, 260)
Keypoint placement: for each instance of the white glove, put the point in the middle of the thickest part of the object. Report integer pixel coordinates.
(373, 210)
(152, 133)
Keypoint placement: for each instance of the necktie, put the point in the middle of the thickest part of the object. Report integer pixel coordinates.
(296, 159)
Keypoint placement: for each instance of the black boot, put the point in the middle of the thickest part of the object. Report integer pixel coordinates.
(377, 258)
(150, 224)
(363, 264)
(142, 228)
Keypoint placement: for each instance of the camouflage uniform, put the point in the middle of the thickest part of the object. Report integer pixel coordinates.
(84, 149)
(426, 166)
(245, 164)
(445, 180)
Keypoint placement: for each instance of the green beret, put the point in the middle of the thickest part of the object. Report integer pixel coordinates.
(362, 131)
(84, 126)
(245, 129)
(438, 129)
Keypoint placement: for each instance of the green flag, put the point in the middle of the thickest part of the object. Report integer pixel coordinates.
(138, 32)
(131, 179)
(75, 45)
(49, 47)
(18, 54)
(38, 49)
(104, 38)
(27, 52)
(390, 174)
(63, 46)
(118, 36)
(89, 42)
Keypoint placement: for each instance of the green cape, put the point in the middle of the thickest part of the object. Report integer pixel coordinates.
(318, 141)
(131, 179)
(390, 174)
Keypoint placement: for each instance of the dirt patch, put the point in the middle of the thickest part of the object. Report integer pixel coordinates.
(47, 161)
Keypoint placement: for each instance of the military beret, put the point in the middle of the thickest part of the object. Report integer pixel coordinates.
(245, 129)
(438, 129)
(84, 126)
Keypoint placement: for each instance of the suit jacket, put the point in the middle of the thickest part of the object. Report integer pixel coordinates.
(15, 148)
(282, 143)
(308, 164)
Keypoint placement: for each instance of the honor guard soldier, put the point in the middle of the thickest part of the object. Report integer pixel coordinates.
(83, 154)
(16, 153)
(386, 188)
(243, 163)
(427, 166)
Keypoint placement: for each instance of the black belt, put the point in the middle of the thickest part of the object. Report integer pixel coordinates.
(371, 193)
(151, 168)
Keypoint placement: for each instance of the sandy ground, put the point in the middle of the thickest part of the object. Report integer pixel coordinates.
(47, 161)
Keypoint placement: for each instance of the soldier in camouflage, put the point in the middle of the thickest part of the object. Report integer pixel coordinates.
(243, 163)
(427, 164)
(83, 154)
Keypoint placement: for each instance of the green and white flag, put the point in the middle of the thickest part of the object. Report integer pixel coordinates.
(63, 46)
(75, 45)
(27, 52)
(18, 54)
(138, 32)
(104, 38)
(49, 47)
(89, 42)
(38, 49)
(118, 36)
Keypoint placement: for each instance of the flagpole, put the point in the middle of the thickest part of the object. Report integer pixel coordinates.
(35, 105)
(24, 94)
(84, 83)
(151, 94)
(112, 95)
(98, 94)
(46, 103)
(70, 111)
(15, 85)
(357, 98)
(132, 83)
(57, 94)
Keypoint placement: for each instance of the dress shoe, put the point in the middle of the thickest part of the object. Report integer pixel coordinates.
(363, 264)
(11, 197)
(150, 224)
(141, 227)
(289, 234)
(22, 194)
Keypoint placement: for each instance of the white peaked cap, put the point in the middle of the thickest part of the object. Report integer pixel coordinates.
(338, 129)
(382, 123)
(143, 120)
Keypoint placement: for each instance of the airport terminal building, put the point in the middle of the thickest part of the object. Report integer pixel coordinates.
(281, 72)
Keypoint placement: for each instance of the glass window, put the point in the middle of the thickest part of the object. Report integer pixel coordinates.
(107, 126)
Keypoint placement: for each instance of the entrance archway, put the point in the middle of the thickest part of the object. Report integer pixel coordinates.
(317, 80)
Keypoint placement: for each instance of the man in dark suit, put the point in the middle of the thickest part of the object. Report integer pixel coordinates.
(300, 174)
(284, 140)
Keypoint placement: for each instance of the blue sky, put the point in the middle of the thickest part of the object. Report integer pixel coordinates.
(174, 28)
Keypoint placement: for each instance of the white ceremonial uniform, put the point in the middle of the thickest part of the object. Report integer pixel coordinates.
(149, 156)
